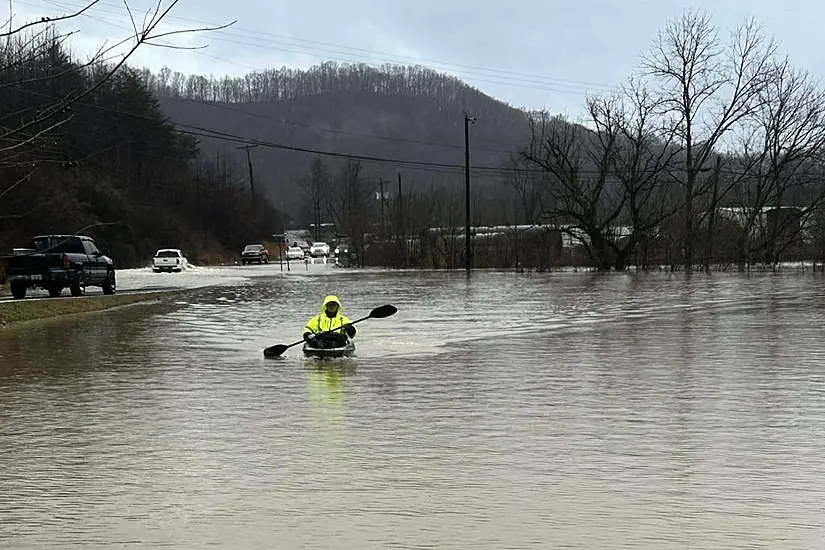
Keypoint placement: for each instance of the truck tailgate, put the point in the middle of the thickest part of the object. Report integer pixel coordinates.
(34, 262)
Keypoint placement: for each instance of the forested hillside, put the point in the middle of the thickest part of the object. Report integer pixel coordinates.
(110, 165)
(403, 113)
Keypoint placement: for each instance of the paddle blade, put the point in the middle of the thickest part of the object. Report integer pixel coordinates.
(275, 351)
(383, 311)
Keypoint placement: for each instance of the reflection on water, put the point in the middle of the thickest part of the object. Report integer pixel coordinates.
(327, 378)
(508, 411)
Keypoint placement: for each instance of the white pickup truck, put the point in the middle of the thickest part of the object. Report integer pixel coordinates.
(168, 259)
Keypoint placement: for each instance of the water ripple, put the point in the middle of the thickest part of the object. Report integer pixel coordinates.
(563, 411)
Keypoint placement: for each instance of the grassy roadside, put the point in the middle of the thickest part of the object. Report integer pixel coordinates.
(18, 311)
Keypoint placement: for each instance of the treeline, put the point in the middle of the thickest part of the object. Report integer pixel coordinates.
(85, 148)
(444, 91)
(710, 155)
(414, 223)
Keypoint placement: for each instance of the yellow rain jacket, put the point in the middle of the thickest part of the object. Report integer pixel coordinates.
(323, 323)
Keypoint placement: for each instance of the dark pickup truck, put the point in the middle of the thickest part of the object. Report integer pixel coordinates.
(54, 262)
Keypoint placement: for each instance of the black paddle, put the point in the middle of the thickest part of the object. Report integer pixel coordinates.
(378, 313)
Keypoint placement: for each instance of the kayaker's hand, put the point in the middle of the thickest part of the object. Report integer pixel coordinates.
(350, 330)
(309, 336)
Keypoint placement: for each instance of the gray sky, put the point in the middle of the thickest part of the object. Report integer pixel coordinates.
(531, 54)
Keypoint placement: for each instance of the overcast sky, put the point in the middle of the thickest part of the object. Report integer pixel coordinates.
(528, 53)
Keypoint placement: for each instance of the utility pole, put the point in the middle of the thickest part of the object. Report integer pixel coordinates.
(383, 224)
(400, 204)
(402, 226)
(249, 163)
(317, 221)
(468, 255)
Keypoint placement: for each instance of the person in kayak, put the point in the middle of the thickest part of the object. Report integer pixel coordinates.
(330, 318)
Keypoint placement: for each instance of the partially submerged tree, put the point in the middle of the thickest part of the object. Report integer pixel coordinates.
(609, 177)
(585, 197)
(707, 86)
(644, 155)
(782, 146)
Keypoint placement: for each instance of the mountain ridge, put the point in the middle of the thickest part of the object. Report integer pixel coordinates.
(409, 113)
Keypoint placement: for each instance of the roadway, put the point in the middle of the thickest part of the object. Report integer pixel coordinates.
(141, 280)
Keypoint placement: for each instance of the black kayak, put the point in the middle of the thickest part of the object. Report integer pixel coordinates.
(346, 350)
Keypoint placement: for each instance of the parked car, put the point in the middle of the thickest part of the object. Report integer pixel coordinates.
(168, 259)
(294, 253)
(319, 249)
(254, 253)
(54, 262)
(303, 245)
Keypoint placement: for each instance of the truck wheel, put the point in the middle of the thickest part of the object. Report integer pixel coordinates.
(110, 285)
(18, 289)
(55, 290)
(78, 287)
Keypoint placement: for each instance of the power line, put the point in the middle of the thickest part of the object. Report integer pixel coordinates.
(275, 42)
(224, 107)
(274, 38)
(199, 131)
(218, 105)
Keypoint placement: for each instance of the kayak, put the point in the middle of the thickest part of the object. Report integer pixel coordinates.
(342, 351)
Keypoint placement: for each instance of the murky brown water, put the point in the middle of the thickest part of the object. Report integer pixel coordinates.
(512, 411)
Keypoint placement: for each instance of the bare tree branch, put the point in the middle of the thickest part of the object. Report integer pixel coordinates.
(49, 20)
(97, 58)
(141, 37)
(18, 182)
(35, 136)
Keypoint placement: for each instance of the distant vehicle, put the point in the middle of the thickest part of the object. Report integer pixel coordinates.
(303, 245)
(254, 253)
(168, 259)
(54, 262)
(294, 253)
(319, 249)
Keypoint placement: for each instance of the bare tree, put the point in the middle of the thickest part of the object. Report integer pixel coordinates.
(349, 205)
(783, 147)
(585, 197)
(527, 185)
(642, 154)
(314, 187)
(707, 87)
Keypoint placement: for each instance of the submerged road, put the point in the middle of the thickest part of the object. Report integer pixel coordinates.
(134, 281)
(530, 411)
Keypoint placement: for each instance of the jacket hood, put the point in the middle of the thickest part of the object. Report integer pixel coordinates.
(332, 298)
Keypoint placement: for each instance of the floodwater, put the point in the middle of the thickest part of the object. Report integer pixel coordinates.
(508, 411)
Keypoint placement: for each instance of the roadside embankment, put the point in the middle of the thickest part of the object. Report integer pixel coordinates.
(18, 311)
